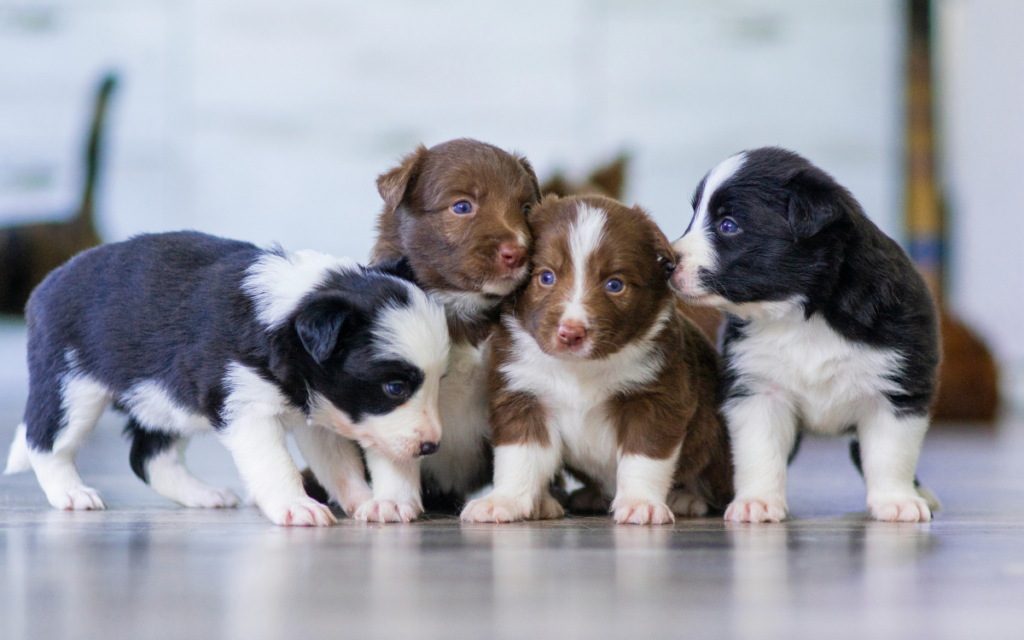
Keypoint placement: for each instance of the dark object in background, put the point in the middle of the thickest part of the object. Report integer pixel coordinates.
(28, 252)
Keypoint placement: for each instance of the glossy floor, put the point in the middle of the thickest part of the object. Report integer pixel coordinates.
(146, 568)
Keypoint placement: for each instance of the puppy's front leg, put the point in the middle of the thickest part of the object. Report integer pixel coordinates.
(890, 447)
(336, 463)
(642, 487)
(396, 490)
(763, 429)
(257, 443)
(522, 473)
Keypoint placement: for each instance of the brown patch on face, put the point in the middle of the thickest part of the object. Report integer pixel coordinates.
(595, 320)
(457, 211)
(515, 417)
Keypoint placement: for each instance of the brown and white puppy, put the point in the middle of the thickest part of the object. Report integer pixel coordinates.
(456, 213)
(594, 369)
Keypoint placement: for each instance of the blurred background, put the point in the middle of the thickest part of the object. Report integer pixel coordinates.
(269, 121)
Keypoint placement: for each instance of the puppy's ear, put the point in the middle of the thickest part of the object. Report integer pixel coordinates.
(815, 202)
(525, 164)
(394, 185)
(542, 213)
(663, 251)
(319, 324)
(399, 268)
(611, 178)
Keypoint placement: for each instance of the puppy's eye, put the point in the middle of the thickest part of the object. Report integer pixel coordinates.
(462, 207)
(547, 278)
(526, 209)
(728, 227)
(396, 389)
(614, 286)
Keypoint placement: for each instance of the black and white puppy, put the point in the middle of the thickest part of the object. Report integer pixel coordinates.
(188, 333)
(829, 329)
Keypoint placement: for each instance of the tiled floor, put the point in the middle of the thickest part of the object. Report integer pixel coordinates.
(146, 568)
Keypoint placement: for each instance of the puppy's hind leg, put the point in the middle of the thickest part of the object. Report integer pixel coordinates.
(158, 458)
(58, 419)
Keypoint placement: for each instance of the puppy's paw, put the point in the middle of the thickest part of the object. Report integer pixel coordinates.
(353, 499)
(77, 499)
(388, 511)
(756, 510)
(588, 499)
(639, 511)
(302, 512)
(685, 504)
(908, 508)
(492, 508)
(549, 509)
(210, 498)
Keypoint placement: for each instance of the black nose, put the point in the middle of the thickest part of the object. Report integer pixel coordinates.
(428, 448)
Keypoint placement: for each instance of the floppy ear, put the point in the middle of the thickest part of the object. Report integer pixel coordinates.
(815, 202)
(525, 164)
(542, 213)
(394, 184)
(399, 268)
(319, 324)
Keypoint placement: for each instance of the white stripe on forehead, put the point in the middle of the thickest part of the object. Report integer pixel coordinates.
(726, 169)
(585, 236)
(416, 332)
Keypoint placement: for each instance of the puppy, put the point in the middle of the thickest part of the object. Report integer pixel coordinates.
(188, 333)
(829, 329)
(456, 214)
(595, 369)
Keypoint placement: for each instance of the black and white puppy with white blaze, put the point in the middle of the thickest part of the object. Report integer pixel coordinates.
(829, 329)
(189, 333)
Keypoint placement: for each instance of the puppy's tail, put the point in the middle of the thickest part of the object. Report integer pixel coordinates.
(17, 459)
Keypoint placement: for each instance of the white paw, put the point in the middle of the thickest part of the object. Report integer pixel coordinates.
(685, 504)
(301, 512)
(909, 508)
(210, 498)
(77, 499)
(640, 511)
(754, 510)
(387, 511)
(492, 508)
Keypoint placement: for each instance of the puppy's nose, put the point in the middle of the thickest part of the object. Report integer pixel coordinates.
(513, 255)
(571, 333)
(428, 448)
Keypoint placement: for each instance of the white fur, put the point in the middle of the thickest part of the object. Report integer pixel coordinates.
(170, 478)
(796, 367)
(643, 485)
(573, 393)
(463, 404)
(417, 332)
(83, 400)
(337, 464)
(695, 247)
(17, 459)
(255, 436)
(522, 474)
(465, 306)
(396, 490)
(277, 283)
(153, 407)
(585, 236)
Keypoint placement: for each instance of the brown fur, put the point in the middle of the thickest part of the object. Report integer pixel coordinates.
(29, 252)
(607, 180)
(450, 252)
(680, 406)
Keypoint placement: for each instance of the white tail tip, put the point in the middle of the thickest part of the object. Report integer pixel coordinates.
(17, 459)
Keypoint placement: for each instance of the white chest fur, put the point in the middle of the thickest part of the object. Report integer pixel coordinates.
(830, 380)
(575, 394)
(463, 405)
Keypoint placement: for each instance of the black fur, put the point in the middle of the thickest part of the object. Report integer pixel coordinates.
(170, 308)
(802, 234)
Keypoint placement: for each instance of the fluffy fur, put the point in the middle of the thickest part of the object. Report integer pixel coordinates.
(595, 370)
(189, 333)
(829, 328)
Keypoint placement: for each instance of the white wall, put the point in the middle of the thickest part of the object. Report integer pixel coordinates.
(983, 87)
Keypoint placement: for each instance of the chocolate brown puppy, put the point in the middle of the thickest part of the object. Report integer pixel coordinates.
(596, 370)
